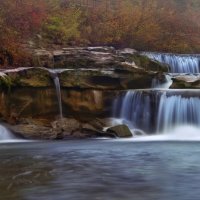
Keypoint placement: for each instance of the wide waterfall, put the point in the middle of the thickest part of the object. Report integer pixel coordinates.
(157, 111)
(178, 63)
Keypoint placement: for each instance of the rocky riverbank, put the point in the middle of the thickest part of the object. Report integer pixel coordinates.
(90, 79)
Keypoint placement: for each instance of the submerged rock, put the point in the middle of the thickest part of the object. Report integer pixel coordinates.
(121, 131)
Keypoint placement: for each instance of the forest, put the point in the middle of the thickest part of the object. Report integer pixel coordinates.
(146, 25)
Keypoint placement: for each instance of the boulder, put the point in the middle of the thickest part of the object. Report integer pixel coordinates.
(121, 131)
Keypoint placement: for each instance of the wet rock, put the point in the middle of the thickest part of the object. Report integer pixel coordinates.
(67, 125)
(186, 82)
(121, 131)
(106, 80)
(101, 68)
(147, 64)
(66, 128)
(29, 77)
(34, 131)
(73, 128)
(101, 57)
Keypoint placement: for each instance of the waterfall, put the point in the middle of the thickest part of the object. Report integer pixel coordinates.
(178, 63)
(5, 134)
(156, 111)
(176, 111)
(158, 84)
(58, 92)
(135, 109)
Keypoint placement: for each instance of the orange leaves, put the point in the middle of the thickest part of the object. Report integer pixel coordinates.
(154, 25)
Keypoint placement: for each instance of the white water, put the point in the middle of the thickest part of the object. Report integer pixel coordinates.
(159, 113)
(182, 133)
(178, 63)
(58, 92)
(7, 137)
(166, 85)
(176, 111)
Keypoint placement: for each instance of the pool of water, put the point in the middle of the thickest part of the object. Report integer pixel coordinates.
(100, 169)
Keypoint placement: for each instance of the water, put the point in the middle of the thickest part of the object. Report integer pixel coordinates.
(155, 111)
(176, 111)
(58, 92)
(6, 135)
(135, 109)
(114, 170)
(166, 85)
(178, 63)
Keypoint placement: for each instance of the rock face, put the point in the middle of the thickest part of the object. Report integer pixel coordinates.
(87, 68)
(90, 78)
(20, 103)
(121, 131)
(95, 57)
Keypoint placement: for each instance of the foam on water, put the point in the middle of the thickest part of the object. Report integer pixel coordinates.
(7, 137)
(181, 133)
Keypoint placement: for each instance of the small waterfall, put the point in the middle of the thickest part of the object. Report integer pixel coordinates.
(158, 84)
(156, 111)
(6, 135)
(176, 111)
(58, 92)
(135, 109)
(178, 63)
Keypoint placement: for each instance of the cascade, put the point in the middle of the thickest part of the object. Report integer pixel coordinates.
(178, 63)
(163, 111)
(176, 111)
(134, 108)
(158, 84)
(6, 135)
(157, 111)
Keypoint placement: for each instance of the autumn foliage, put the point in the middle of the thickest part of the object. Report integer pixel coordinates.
(150, 25)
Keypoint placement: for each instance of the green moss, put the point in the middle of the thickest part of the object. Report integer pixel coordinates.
(146, 63)
(6, 82)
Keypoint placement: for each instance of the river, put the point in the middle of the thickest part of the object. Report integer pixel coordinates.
(100, 169)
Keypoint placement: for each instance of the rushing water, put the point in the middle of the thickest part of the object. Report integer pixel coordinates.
(6, 135)
(177, 111)
(166, 85)
(157, 111)
(114, 170)
(178, 63)
(58, 92)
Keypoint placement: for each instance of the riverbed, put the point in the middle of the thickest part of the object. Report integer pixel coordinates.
(100, 169)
